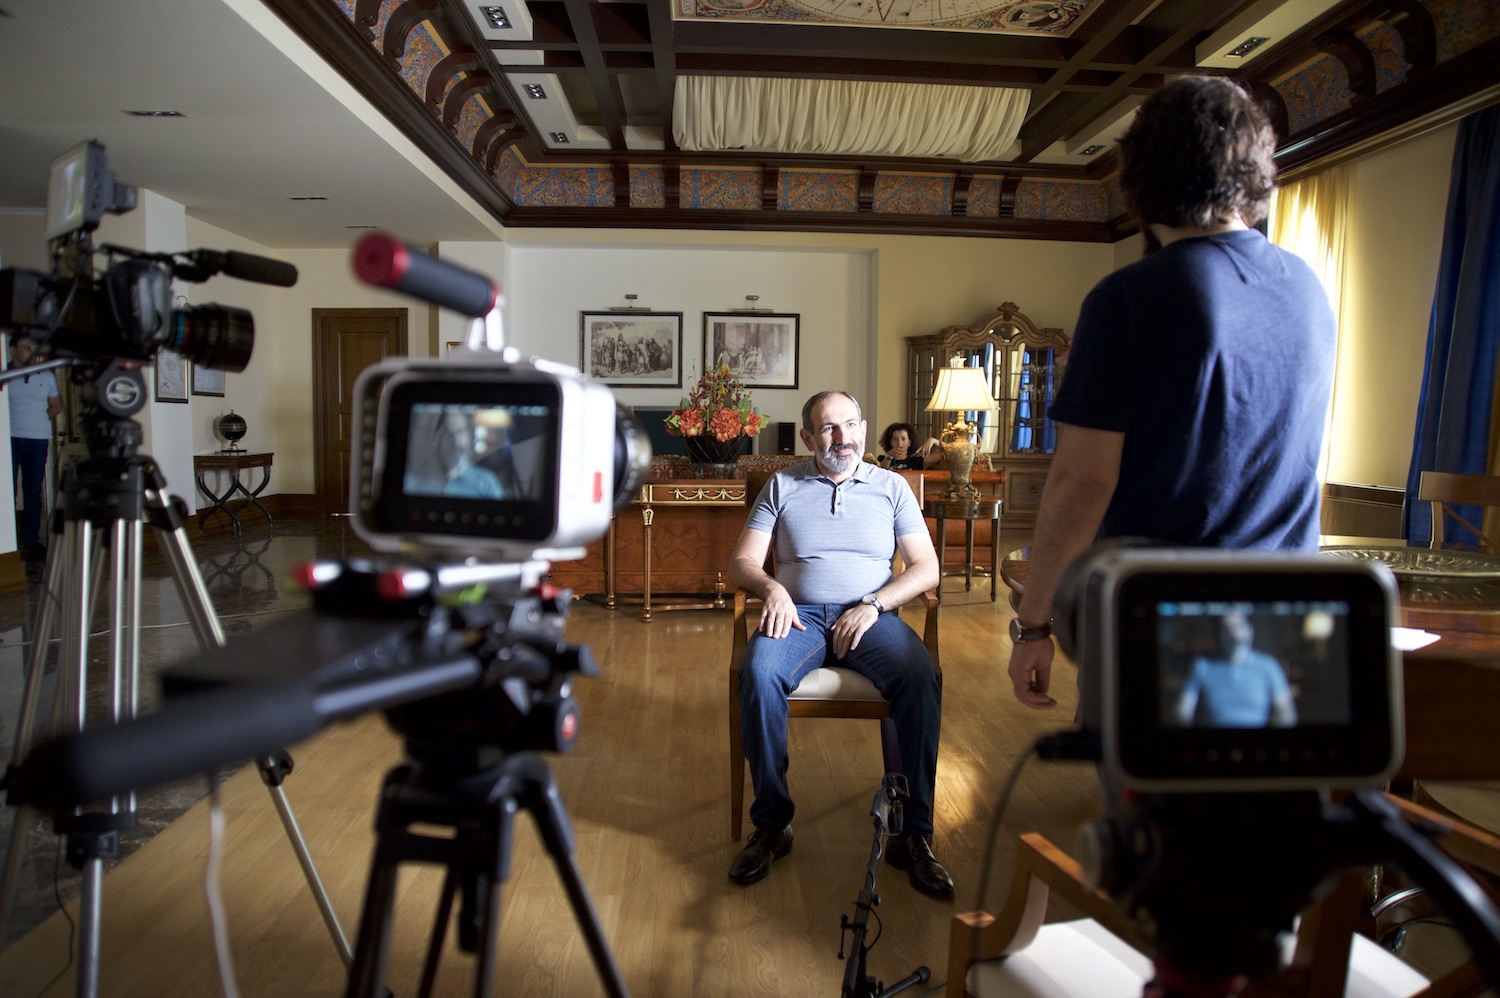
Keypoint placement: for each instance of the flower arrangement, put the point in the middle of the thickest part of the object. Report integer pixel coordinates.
(718, 406)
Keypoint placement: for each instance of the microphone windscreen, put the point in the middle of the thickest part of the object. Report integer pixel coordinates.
(261, 269)
(386, 262)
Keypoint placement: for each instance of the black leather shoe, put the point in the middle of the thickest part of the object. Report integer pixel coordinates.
(912, 854)
(766, 845)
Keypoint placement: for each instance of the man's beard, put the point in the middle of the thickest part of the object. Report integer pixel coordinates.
(833, 461)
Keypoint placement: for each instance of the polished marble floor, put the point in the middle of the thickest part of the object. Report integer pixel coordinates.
(244, 578)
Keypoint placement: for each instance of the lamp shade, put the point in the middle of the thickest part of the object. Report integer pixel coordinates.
(960, 389)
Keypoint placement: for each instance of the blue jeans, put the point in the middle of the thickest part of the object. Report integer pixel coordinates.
(890, 655)
(28, 460)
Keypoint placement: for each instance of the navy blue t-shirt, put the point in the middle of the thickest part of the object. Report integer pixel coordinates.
(1214, 356)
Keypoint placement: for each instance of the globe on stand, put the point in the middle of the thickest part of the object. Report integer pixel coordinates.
(232, 428)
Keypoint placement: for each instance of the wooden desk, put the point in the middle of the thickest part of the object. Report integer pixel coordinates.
(969, 511)
(233, 463)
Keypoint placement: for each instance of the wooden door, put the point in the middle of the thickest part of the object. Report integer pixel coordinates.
(345, 342)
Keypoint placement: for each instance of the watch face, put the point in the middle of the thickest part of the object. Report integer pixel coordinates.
(1017, 632)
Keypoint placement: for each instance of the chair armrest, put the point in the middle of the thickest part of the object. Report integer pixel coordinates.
(1040, 867)
(740, 632)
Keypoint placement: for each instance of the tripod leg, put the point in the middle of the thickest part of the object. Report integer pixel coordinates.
(546, 805)
(168, 517)
(372, 950)
(439, 934)
(36, 666)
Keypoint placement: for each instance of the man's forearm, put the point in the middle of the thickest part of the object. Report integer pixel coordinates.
(1077, 493)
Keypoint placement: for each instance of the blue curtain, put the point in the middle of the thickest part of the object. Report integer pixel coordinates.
(1458, 382)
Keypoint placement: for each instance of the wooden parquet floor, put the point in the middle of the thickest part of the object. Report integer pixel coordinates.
(646, 791)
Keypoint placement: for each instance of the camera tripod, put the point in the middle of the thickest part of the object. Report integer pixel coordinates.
(886, 810)
(480, 809)
(103, 501)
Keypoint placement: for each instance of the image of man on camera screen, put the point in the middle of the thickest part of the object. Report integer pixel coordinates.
(470, 452)
(1199, 377)
(1229, 683)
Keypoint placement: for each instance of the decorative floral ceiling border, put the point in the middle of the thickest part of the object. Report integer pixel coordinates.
(1055, 18)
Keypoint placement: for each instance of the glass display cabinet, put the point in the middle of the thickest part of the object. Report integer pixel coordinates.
(1023, 366)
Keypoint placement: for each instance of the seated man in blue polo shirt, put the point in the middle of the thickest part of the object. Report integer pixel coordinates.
(835, 522)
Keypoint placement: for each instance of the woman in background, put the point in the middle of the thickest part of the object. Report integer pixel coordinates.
(896, 441)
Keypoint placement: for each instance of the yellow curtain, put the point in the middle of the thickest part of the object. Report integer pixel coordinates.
(1309, 217)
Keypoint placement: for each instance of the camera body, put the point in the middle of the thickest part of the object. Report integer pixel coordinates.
(1206, 671)
(482, 454)
(125, 310)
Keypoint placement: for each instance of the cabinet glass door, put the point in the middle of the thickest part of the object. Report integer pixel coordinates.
(1030, 388)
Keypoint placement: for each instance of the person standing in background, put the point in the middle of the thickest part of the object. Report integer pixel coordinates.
(35, 404)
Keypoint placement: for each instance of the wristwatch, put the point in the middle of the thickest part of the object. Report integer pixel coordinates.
(870, 599)
(1020, 633)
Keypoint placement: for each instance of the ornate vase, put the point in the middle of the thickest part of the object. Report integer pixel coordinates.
(714, 458)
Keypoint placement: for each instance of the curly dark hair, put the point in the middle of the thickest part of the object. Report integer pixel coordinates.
(890, 431)
(1198, 153)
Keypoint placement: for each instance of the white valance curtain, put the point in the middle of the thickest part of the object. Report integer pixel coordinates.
(846, 117)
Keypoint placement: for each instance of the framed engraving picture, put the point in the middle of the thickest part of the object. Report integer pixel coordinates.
(633, 349)
(171, 377)
(207, 381)
(761, 348)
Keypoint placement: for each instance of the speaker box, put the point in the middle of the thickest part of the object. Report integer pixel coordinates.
(777, 438)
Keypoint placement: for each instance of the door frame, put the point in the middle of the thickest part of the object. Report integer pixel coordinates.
(325, 384)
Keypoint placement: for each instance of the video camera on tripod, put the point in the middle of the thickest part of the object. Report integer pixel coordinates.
(106, 323)
(1244, 709)
(472, 473)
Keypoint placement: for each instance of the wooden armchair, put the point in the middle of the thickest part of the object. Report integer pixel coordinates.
(1449, 708)
(1444, 491)
(1103, 955)
(826, 692)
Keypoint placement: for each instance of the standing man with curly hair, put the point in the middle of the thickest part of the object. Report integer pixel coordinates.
(1198, 383)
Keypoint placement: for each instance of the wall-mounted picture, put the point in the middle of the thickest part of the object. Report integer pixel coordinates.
(207, 381)
(171, 377)
(761, 348)
(633, 350)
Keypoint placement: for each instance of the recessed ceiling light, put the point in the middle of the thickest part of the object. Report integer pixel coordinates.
(561, 138)
(495, 16)
(156, 114)
(535, 91)
(1090, 150)
(1245, 47)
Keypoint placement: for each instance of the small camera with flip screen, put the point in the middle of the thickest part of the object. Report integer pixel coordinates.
(1212, 671)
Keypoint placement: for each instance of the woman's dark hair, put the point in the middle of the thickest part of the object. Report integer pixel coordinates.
(890, 431)
(1199, 153)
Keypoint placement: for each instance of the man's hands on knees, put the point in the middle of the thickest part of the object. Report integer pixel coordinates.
(780, 614)
(1031, 673)
(851, 626)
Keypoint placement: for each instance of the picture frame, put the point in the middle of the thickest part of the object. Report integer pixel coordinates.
(632, 349)
(171, 377)
(762, 347)
(207, 381)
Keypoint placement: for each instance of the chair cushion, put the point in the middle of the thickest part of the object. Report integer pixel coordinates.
(1069, 959)
(835, 684)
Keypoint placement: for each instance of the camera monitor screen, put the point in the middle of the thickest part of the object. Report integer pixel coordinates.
(476, 459)
(1259, 676)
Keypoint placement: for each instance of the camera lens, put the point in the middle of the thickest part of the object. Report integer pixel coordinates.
(216, 336)
(632, 456)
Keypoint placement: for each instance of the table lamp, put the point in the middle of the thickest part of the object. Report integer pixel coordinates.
(959, 390)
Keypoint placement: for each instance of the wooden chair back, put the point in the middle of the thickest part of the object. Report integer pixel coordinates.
(826, 692)
(1444, 491)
